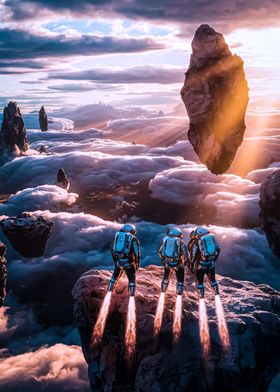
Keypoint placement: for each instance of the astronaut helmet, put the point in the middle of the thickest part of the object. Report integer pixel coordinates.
(200, 231)
(129, 228)
(175, 232)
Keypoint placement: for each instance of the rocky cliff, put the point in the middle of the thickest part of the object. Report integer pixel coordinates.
(252, 313)
(270, 211)
(215, 94)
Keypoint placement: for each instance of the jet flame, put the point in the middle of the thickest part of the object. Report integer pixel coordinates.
(222, 325)
(130, 333)
(159, 314)
(203, 327)
(101, 321)
(177, 319)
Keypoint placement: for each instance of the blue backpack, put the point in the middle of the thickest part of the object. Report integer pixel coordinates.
(208, 246)
(122, 244)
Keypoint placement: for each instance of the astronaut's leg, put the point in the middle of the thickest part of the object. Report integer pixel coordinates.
(166, 277)
(211, 275)
(131, 272)
(200, 277)
(116, 274)
(180, 279)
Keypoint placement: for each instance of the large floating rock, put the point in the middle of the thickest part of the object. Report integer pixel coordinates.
(215, 94)
(252, 312)
(43, 119)
(27, 233)
(270, 210)
(13, 140)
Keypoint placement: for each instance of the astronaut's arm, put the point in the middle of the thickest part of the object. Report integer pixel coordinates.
(136, 251)
(159, 252)
(218, 251)
(185, 253)
(193, 256)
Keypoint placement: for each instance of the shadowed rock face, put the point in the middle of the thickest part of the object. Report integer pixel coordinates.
(62, 180)
(215, 94)
(13, 135)
(27, 233)
(43, 119)
(270, 210)
(3, 273)
(252, 312)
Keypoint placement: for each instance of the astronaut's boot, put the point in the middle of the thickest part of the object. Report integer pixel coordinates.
(179, 288)
(111, 284)
(215, 287)
(132, 288)
(164, 285)
(201, 290)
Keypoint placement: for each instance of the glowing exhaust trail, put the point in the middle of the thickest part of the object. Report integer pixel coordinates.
(159, 314)
(101, 321)
(130, 332)
(177, 319)
(222, 325)
(203, 327)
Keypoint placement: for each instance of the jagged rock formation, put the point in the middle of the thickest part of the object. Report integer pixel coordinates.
(13, 140)
(3, 273)
(270, 211)
(252, 313)
(43, 119)
(215, 94)
(27, 233)
(62, 180)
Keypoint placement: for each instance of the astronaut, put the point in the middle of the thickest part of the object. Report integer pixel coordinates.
(204, 251)
(174, 255)
(3, 273)
(126, 256)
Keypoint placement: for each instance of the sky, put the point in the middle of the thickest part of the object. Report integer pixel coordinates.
(127, 53)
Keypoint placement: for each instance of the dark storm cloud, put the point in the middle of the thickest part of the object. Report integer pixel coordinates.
(16, 44)
(141, 74)
(225, 12)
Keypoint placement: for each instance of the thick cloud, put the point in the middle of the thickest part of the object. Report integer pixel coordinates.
(88, 172)
(141, 74)
(42, 197)
(24, 44)
(230, 14)
(234, 199)
(49, 369)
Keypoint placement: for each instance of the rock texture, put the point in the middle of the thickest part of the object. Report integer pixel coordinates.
(215, 94)
(62, 180)
(13, 140)
(43, 119)
(3, 273)
(252, 313)
(27, 233)
(270, 210)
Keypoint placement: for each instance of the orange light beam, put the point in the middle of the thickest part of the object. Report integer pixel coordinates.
(159, 314)
(222, 324)
(130, 332)
(177, 319)
(203, 327)
(101, 321)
